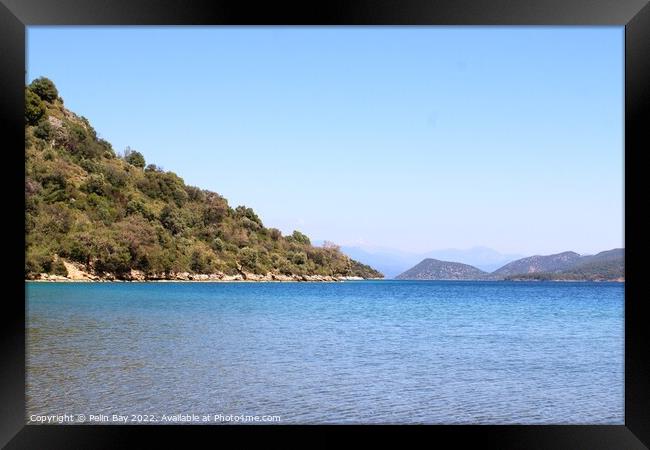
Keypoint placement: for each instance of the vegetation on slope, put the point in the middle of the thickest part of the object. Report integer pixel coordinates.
(433, 269)
(592, 268)
(604, 266)
(113, 213)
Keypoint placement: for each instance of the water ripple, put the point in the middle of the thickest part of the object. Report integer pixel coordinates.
(360, 352)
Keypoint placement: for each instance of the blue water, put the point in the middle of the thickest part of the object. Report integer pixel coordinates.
(351, 352)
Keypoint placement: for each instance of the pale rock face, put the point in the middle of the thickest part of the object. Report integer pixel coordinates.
(77, 272)
(136, 275)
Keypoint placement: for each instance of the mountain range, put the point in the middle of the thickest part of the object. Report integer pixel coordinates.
(392, 262)
(604, 266)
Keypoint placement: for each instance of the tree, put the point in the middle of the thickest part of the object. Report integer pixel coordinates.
(34, 107)
(171, 219)
(45, 89)
(43, 130)
(243, 211)
(134, 158)
(300, 238)
(248, 258)
(153, 168)
(215, 210)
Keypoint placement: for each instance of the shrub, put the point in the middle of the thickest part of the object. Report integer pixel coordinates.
(116, 176)
(242, 211)
(249, 224)
(107, 148)
(34, 107)
(153, 168)
(202, 261)
(90, 165)
(100, 208)
(58, 268)
(37, 260)
(79, 142)
(172, 220)
(218, 244)
(248, 258)
(194, 194)
(297, 236)
(134, 158)
(89, 128)
(43, 130)
(163, 186)
(111, 256)
(298, 258)
(216, 209)
(45, 89)
(96, 184)
(80, 247)
(275, 234)
(138, 207)
(139, 237)
(55, 187)
(29, 141)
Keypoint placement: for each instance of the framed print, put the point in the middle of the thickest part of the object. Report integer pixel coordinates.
(395, 219)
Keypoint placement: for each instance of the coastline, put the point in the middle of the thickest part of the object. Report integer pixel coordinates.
(77, 273)
(290, 279)
(58, 279)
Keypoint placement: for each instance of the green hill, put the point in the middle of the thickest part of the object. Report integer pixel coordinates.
(433, 269)
(604, 266)
(537, 264)
(111, 215)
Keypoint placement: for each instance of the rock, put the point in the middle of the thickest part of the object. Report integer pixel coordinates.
(136, 275)
(237, 277)
(78, 272)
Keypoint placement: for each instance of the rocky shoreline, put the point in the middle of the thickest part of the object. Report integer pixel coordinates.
(77, 273)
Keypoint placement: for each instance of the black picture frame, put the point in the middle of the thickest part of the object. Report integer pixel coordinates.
(15, 15)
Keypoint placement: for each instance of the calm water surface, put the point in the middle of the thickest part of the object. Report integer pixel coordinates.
(352, 352)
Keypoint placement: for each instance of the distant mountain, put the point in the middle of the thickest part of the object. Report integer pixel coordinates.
(392, 262)
(614, 255)
(434, 269)
(538, 263)
(484, 258)
(607, 265)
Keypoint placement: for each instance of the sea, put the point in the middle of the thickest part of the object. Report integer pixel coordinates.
(354, 352)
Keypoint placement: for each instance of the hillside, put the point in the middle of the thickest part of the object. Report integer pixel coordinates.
(434, 269)
(604, 266)
(538, 263)
(89, 210)
(616, 255)
(607, 265)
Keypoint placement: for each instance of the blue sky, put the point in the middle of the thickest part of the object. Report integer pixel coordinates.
(408, 138)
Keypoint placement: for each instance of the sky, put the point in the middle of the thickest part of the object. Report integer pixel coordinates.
(410, 138)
